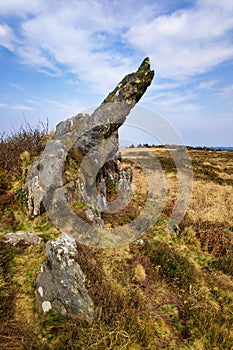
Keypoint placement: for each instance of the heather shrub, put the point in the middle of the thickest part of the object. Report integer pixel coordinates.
(30, 139)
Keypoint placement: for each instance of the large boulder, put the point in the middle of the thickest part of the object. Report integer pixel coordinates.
(90, 140)
(60, 286)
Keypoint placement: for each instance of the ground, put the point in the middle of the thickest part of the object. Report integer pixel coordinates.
(172, 289)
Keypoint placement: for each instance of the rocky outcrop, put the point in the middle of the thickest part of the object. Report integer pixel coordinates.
(60, 286)
(92, 141)
(24, 237)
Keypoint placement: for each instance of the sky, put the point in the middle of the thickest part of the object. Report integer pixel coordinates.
(61, 57)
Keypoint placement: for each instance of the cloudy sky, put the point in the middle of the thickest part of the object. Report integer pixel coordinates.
(59, 57)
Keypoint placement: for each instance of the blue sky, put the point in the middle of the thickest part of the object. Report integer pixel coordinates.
(59, 57)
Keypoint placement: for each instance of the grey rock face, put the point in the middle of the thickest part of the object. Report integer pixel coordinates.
(92, 141)
(61, 284)
(96, 199)
(28, 238)
(34, 189)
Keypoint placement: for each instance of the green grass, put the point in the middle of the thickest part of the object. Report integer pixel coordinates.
(168, 292)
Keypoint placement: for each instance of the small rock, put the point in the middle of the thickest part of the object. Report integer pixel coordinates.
(25, 237)
(140, 241)
(46, 306)
(40, 291)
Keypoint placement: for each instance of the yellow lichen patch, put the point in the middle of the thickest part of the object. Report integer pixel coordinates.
(139, 273)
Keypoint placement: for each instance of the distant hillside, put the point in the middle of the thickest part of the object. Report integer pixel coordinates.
(223, 148)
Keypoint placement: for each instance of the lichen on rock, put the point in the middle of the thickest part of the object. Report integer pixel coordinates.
(60, 286)
(24, 237)
(92, 141)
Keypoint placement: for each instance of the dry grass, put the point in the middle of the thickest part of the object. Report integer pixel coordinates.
(211, 202)
(169, 291)
(25, 269)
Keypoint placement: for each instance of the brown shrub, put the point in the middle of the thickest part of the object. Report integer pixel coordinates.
(8, 221)
(27, 138)
(3, 180)
(15, 335)
(173, 266)
(215, 239)
(6, 199)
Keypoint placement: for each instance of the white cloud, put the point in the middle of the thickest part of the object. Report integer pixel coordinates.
(81, 37)
(224, 96)
(100, 41)
(226, 5)
(188, 41)
(81, 41)
(174, 102)
(3, 105)
(30, 101)
(165, 86)
(21, 7)
(7, 37)
(18, 107)
(57, 104)
(226, 90)
(207, 84)
(33, 56)
(68, 107)
(17, 87)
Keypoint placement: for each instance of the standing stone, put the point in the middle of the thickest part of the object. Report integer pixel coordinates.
(90, 140)
(60, 286)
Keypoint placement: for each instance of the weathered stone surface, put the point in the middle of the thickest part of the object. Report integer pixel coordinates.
(61, 284)
(35, 190)
(28, 238)
(121, 179)
(92, 141)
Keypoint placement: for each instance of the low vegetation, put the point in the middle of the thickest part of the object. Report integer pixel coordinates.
(19, 148)
(173, 289)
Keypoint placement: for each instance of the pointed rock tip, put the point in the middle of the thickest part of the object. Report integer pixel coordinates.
(145, 65)
(145, 62)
